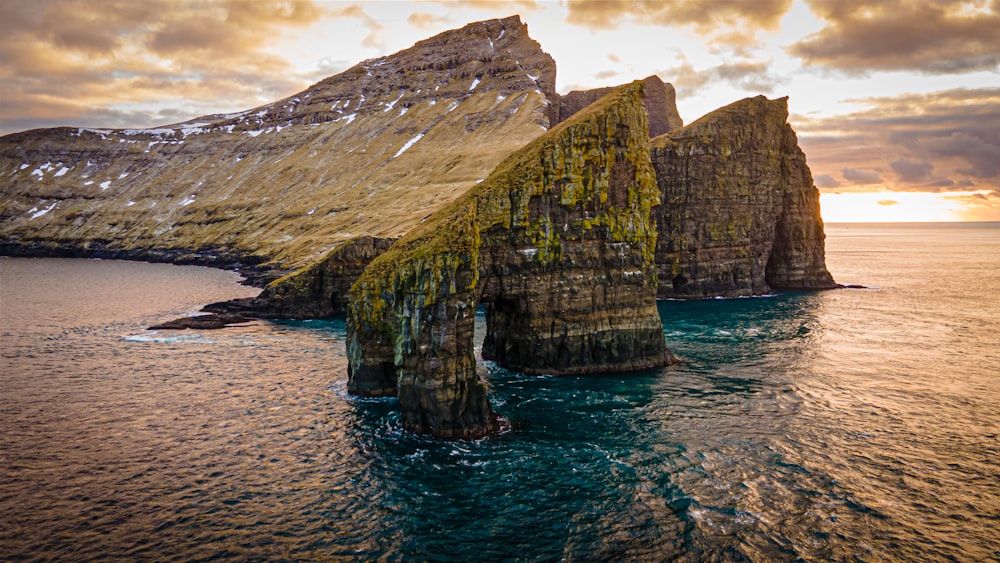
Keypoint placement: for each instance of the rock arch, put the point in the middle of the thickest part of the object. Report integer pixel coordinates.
(558, 244)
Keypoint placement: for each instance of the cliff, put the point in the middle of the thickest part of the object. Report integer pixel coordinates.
(740, 213)
(368, 152)
(557, 244)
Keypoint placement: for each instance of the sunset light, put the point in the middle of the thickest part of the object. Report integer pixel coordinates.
(914, 121)
(893, 207)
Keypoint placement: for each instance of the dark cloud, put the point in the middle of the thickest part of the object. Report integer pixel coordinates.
(752, 77)
(929, 36)
(912, 171)
(826, 181)
(938, 141)
(861, 177)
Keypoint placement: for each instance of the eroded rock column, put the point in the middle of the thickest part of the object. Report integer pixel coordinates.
(739, 213)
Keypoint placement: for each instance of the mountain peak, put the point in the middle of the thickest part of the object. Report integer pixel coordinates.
(369, 151)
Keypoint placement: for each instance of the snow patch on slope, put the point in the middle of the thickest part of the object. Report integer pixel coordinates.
(409, 144)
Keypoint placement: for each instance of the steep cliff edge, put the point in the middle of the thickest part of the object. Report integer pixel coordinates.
(739, 212)
(557, 243)
(370, 151)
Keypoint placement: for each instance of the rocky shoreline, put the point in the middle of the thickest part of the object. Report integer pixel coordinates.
(250, 268)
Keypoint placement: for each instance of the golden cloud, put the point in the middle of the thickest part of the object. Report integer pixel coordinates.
(423, 20)
(939, 141)
(930, 36)
(70, 62)
(731, 21)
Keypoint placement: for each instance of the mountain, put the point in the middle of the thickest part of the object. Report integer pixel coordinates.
(370, 151)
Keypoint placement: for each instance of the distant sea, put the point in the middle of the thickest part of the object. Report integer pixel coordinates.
(848, 424)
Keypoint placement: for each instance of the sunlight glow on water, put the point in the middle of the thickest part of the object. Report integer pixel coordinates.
(841, 424)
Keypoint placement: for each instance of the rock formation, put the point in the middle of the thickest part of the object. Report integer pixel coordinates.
(372, 193)
(321, 290)
(557, 243)
(739, 213)
(660, 104)
(370, 151)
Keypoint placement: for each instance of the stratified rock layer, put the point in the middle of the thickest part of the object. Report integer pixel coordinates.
(558, 244)
(739, 212)
(370, 151)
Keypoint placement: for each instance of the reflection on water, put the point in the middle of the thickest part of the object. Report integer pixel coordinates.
(845, 424)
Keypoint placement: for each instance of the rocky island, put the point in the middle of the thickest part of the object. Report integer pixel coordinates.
(409, 190)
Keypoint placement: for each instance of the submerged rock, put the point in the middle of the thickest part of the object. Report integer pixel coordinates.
(739, 212)
(204, 322)
(558, 244)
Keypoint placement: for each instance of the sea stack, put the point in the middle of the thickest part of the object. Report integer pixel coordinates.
(739, 212)
(557, 243)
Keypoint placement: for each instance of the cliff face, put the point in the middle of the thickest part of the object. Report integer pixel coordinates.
(370, 151)
(739, 214)
(319, 289)
(322, 289)
(558, 244)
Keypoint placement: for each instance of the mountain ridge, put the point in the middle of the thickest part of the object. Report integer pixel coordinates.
(282, 184)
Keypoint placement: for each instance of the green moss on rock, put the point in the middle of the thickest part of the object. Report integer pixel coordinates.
(558, 243)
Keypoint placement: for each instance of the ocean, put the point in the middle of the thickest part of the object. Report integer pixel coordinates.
(847, 424)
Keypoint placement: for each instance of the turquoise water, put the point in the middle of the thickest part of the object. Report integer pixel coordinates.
(842, 424)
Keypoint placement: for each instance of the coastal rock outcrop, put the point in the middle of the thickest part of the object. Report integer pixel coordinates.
(368, 152)
(739, 212)
(322, 289)
(557, 244)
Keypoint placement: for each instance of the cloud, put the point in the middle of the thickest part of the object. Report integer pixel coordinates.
(70, 62)
(826, 181)
(912, 171)
(753, 77)
(374, 38)
(861, 177)
(719, 17)
(492, 5)
(423, 20)
(927, 36)
(939, 141)
(979, 206)
(887, 202)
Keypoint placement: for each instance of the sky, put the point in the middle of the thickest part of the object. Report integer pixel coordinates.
(896, 103)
